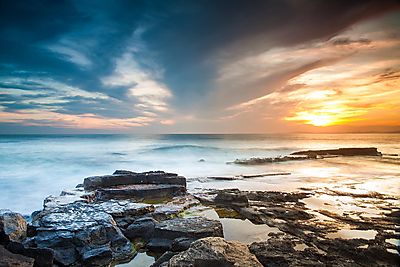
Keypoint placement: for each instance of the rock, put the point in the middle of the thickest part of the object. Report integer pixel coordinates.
(140, 192)
(352, 151)
(282, 253)
(232, 197)
(181, 243)
(8, 259)
(193, 227)
(142, 227)
(257, 161)
(215, 251)
(163, 259)
(101, 256)
(172, 208)
(81, 231)
(159, 244)
(131, 178)
(43, 257)
(12, 226)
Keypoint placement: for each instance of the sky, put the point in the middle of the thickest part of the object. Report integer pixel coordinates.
(199, 66)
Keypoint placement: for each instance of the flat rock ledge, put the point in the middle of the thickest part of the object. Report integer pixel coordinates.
(313, 154)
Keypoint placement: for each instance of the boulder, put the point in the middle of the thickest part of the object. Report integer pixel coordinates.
(8, 259)
(12, 226)
(121, 177)
(81, 232)
(215, 251)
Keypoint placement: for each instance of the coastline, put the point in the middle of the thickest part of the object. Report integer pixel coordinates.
(159, 215)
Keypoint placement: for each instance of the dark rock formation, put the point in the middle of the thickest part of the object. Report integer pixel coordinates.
(282, 253)
(81, 232)
(215, 251)
(232, 197)
(43, 257)
(192, 227)
(312, 154)
(8, 259)
(352, 151)
(175, 234)
(140, 192)
(12, 226)
(142, 227)
(121, 177)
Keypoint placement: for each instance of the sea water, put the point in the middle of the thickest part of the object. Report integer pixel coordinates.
(35, 166)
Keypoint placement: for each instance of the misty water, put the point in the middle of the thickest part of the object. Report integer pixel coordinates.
(35, 166)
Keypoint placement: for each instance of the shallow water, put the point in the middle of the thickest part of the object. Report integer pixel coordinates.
(351, 233)
(241, 230)
(35, 166)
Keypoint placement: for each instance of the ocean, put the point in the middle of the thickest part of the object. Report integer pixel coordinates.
(35, 166)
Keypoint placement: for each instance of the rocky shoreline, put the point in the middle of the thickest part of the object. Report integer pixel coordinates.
(108, 219)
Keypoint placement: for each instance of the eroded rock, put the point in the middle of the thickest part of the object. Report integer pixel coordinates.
(12, 226)
(215, 251)
(80, 232)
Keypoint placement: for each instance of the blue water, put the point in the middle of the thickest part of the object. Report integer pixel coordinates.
(35, 166)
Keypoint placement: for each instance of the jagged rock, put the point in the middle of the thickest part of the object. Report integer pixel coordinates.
(142, 227)
(232, 197)
(12, 226)
(215, 251)
(352, 151)
(8, 259)
(82, 232)
(43, 257)
(140, 191)
(193, 227)
(131, 178)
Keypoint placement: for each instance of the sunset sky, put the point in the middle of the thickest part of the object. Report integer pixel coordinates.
(199, 66)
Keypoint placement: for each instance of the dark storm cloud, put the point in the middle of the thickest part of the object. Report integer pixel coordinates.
(78, 43)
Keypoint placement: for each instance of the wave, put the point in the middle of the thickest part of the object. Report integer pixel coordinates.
(183, 147)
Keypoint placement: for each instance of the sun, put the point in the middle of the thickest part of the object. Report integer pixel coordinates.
(316, 119)
(319, 119)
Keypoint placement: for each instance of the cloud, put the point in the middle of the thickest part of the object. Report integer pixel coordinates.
(71, 55)
(143, 85)
(119, 61)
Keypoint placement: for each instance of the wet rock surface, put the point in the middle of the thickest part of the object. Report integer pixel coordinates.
(81, 232)
(215, 251)
(79, 228)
